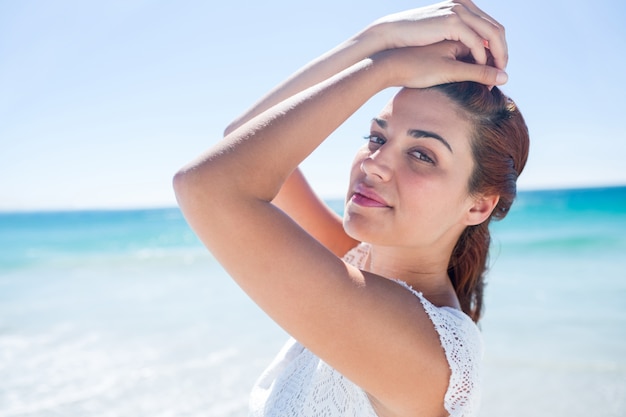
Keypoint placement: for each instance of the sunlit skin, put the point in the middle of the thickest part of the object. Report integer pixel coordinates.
(408, 197)
(408, 194)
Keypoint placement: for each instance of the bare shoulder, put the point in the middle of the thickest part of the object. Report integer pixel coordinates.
(370, 329)
(461, 348)
(415, 373)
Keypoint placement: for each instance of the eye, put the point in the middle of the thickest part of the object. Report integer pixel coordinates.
(375, 141)
(422, 156)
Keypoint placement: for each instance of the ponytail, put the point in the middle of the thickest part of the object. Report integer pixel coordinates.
(500, 145)
(467, 268)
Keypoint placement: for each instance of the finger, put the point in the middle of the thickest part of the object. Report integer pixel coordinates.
(469, 4)
(483, 74)
(475, 43)
(461, 32)
(487, 28)
(490, 30)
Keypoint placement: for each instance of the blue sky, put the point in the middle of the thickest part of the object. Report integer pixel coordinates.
(101, 102)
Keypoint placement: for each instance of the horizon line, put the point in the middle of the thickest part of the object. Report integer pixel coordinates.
(330, 198)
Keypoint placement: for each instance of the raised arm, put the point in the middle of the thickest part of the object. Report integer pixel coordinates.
(346, 316)
(296, 196)
(422, 26)
(458, 20)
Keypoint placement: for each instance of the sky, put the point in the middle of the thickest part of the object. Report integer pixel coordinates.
(101, 102)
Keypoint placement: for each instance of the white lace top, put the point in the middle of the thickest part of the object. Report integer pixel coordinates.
(299, 384)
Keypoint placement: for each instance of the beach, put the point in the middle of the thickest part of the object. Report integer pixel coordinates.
(120, 313)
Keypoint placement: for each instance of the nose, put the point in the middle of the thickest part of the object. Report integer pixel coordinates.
(376, 165)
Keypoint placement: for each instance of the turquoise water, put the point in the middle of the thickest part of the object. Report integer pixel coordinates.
(118, 313)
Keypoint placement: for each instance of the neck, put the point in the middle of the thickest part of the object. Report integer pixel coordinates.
(425, 272)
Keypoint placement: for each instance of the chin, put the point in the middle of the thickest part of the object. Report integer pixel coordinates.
(352, 229)
(358, 228)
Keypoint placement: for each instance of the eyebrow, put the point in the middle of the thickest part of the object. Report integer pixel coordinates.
(416, 133)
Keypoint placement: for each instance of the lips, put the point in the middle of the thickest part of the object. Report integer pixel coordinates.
(367, 198)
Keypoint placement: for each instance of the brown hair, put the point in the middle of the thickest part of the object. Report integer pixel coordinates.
(500, 145)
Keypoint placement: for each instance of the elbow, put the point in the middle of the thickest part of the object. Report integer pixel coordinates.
(178, 182)
(195, 187)
(182, 183)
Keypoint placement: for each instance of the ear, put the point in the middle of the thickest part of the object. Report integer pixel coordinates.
(481, 209)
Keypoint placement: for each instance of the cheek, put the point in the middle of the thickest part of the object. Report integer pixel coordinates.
(438, 199)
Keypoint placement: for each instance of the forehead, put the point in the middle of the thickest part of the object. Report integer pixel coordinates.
(427, 110)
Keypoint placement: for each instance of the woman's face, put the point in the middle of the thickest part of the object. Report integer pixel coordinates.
(409, 182)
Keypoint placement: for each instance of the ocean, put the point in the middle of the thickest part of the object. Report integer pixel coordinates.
(124, 313)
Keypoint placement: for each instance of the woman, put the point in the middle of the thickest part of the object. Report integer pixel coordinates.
(388, 329)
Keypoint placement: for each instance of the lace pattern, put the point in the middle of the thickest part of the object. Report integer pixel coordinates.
(299, 384)
(463, 347)
(461, 342)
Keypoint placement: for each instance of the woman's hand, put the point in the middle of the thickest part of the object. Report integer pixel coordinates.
(452, 20)
(440, 63)
(457, 20)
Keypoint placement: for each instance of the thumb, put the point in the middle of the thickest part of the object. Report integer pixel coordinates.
(484, 74)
